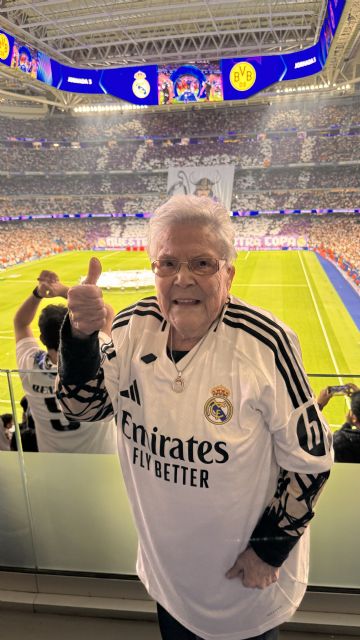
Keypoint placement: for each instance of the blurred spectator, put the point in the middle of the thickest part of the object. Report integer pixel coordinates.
(346, 439)
(6, 422)
(38, 369)
(27, 430)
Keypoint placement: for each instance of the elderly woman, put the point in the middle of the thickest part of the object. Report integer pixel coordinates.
(222, 445)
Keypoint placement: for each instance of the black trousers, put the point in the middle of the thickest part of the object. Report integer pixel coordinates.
(171, 629)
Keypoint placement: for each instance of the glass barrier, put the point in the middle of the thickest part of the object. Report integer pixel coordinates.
(17, 543)
(68, 512)
(78, 516)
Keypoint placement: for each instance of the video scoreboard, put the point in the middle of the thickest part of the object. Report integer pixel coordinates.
(225, 79)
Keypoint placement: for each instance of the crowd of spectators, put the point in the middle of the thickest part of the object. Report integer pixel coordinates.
(85, 185)
(273, 200)
(254, 180)
(265, 190)
(315, 113)
(119, 163)
(301, 155)
(27, 240)
(71, 205)
(244, 152)
(340, 238)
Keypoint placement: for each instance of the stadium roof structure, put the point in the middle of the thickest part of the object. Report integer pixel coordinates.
(112, 33)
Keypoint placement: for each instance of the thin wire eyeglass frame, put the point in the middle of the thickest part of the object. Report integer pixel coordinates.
(178, 263)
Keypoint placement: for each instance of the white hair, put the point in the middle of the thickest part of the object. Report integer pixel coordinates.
(189, 209)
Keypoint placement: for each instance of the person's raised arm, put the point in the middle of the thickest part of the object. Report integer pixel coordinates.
(49, 286)
(80, 384)
(88, 312)
(324, 396)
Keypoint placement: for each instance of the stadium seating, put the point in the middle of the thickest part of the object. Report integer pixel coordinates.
(285, 157)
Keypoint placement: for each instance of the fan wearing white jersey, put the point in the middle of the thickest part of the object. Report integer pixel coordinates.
(223, 448)
(54, 432)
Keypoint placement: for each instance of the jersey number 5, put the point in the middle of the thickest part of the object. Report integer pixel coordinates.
(56, 424)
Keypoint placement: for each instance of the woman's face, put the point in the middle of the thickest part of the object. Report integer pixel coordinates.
(189, 302)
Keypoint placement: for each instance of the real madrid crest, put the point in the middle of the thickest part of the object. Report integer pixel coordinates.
(140, 87)
(218, 409)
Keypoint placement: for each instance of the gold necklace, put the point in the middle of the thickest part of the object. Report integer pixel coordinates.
(178, 384)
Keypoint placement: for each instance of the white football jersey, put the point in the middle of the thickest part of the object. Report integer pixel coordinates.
(243, 445)
(54, 432)
(202, 465)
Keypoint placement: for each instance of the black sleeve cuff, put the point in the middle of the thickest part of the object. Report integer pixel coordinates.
(271, 543)
(79, 359)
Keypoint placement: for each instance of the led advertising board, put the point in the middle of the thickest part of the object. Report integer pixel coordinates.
(227, 79)
(6, 47)
(243, 77)
(137, 85)
(190, 83)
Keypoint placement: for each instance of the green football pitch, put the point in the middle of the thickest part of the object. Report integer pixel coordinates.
(292, 285)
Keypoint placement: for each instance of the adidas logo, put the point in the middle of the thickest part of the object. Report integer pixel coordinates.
(132, 392)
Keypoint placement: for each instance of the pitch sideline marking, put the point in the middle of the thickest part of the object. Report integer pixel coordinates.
(332, 355)
(109, 255)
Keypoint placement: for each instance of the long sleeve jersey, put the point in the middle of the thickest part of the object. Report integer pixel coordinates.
(238, 458)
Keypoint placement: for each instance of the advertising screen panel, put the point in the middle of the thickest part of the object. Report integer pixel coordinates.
(190, 83)
(226, 79)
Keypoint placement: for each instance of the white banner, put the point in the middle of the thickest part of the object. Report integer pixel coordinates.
(271, 242)
(215, 181)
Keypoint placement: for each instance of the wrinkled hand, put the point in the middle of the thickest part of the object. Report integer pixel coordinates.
(86, 305)
(252, 571)
(50, 286)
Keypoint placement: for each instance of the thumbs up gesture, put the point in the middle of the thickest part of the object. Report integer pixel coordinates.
(87, 309)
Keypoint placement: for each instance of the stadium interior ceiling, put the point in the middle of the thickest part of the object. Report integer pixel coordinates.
(113, 33)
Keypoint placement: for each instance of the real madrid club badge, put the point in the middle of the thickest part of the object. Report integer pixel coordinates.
(140, 86)
(218, 409)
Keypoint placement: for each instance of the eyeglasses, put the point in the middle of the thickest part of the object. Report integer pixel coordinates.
(200, 266)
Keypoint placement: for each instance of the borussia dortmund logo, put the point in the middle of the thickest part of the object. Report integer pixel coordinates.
(242, 76)
(4, 46)
(218, 409)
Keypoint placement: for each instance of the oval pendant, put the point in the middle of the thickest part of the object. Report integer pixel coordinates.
(178, 385)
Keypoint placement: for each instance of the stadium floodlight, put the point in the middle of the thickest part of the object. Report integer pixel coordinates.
(108, 107)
